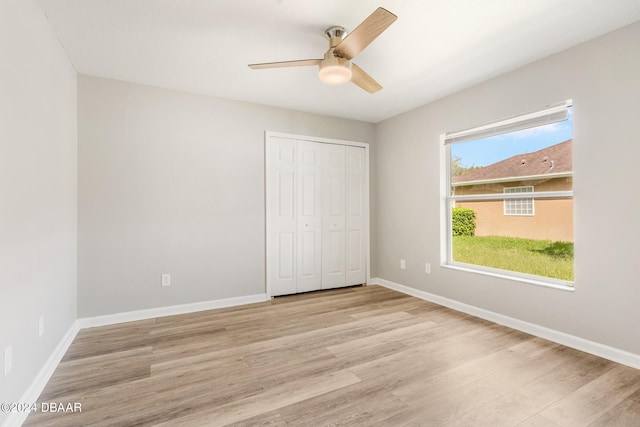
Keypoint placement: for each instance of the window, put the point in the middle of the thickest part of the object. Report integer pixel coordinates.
(509, 197)
(518, 206)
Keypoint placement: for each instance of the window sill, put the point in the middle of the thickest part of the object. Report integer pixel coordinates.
(518, 278)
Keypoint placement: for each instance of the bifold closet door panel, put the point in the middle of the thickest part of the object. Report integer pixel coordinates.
(316, 215)
(281, 216)
(356, 216)
(309, 217)
(333, 216)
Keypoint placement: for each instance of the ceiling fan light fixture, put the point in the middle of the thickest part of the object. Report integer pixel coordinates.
(335, 71)
(336, 67)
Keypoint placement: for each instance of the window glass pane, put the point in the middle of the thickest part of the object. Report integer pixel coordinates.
(522, 234)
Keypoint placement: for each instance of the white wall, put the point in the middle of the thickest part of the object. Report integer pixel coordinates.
(38, 153)
(602, 77)
(171, 182)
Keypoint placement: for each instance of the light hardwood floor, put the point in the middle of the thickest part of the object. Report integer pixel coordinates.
(365, 356)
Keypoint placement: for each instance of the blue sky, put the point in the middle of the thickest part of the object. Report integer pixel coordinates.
(496, 148)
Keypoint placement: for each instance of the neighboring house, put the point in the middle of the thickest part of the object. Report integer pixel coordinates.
(549, 169)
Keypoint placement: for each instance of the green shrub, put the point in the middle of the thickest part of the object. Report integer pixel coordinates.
(463, 221)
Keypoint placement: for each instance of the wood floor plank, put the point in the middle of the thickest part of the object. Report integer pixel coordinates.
(273, 398)
(321, 336)
(624, 414)
(574, 370)
(595, 398)
(527, 370)
(100, 371)
(365, 356)
(537, 421)
(386, 337)
(358, 405)
(422, 390)
(441, 408)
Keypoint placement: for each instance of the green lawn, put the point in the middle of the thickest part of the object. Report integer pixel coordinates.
(539, 257)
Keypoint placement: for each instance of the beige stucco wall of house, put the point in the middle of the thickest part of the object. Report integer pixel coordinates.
(552, 219)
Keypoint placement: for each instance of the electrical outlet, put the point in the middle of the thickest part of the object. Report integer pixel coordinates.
(166, 279)
(403, 264)
(8, 360)
(41, 326)
(427, 268)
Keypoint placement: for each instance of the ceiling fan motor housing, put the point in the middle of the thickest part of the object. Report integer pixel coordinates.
(335, 35)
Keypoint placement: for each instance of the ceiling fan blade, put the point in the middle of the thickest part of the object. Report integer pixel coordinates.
(357, 40)
(364, 80)
(299, 63)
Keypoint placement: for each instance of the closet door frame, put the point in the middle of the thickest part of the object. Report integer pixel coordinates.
(270, 244)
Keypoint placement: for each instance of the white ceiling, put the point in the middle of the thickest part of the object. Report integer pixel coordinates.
(436, 47)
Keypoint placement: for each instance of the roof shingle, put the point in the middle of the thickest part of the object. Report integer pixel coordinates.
(550, 160)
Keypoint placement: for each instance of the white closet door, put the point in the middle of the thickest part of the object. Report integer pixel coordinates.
(281, 158)
(316, 205)
(309, 220)
(356, 218)
(333, 216)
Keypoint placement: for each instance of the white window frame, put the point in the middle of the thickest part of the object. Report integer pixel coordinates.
(552, 114)
(510, 208)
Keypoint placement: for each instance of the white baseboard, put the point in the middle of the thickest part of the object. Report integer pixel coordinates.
(601, 350)
(132, 316)
(34, 390)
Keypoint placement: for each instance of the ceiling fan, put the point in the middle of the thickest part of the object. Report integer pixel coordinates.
(336, 66)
